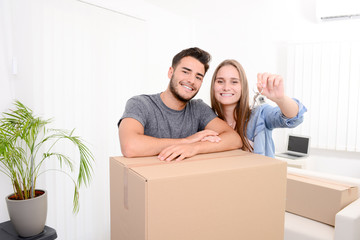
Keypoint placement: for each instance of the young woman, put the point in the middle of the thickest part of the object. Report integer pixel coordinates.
(230, 101)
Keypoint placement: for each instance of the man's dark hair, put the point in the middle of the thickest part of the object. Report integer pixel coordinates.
(197, 53)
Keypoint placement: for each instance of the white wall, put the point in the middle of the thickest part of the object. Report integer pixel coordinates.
(257, 34)
(80, 63)
(6, 89)
(6, 72)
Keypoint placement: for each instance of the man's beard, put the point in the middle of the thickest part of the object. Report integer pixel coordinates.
(176, 93)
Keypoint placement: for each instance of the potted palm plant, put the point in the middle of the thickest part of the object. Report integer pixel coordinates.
(25, 145)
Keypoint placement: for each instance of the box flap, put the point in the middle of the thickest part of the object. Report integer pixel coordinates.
(137, 161)
(197, 166)
(321, 182)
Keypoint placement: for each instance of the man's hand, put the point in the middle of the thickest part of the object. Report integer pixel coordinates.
(217, 136)
(178, 152)
(205, 135)
(213, 139)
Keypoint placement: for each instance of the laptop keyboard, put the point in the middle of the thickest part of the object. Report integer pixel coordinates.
(289, 155)
(292, 155)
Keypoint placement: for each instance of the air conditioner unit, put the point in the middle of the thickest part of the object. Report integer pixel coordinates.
(337, 9)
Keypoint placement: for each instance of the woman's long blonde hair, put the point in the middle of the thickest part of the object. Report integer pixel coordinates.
(242, 110)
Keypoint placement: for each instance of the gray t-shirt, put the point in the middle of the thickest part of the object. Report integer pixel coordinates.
(162, 122)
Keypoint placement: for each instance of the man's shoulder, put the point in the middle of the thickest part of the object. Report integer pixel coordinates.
(197, 102)
(144, 98)
(199, 106)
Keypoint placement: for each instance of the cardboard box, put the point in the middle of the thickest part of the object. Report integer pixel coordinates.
(229, 195)
(317, 198)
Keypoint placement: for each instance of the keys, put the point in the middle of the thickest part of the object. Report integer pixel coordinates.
(255, 100)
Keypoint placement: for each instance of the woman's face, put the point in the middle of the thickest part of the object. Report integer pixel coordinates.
(227, 87)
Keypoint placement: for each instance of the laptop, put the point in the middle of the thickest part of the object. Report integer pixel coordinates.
(297, 147)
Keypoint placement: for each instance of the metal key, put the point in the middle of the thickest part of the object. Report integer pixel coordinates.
(255, 97)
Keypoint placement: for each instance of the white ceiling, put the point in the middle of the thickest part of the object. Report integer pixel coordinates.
(206, 8)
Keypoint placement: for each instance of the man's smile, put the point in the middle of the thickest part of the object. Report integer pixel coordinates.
(187, 87)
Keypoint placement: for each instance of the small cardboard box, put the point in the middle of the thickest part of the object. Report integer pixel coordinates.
(229, 195)
(317, 198)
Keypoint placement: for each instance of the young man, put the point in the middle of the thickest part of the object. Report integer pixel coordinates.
(172, 125)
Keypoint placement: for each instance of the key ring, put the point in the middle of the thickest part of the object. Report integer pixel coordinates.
(256, 96)
(257, 92)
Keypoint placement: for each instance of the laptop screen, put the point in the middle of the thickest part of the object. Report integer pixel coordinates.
(298, 144)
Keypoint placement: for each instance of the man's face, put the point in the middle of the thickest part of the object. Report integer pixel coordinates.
(186, 78)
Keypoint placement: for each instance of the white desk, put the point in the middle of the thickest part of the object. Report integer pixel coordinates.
(329, 161)
(298, 163)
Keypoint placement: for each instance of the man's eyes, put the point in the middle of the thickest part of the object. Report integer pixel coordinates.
(197, 77)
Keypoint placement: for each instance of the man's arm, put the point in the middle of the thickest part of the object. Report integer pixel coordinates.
(134, 143)
(229, 140)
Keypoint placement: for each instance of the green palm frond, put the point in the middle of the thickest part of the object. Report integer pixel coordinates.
(25, 144)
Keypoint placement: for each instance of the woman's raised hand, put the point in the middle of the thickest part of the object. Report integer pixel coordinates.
(271, 86)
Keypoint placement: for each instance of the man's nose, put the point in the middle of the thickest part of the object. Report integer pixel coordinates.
(191, 78)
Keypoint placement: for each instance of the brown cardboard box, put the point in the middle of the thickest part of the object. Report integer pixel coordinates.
(228, 195)
(316, 198)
